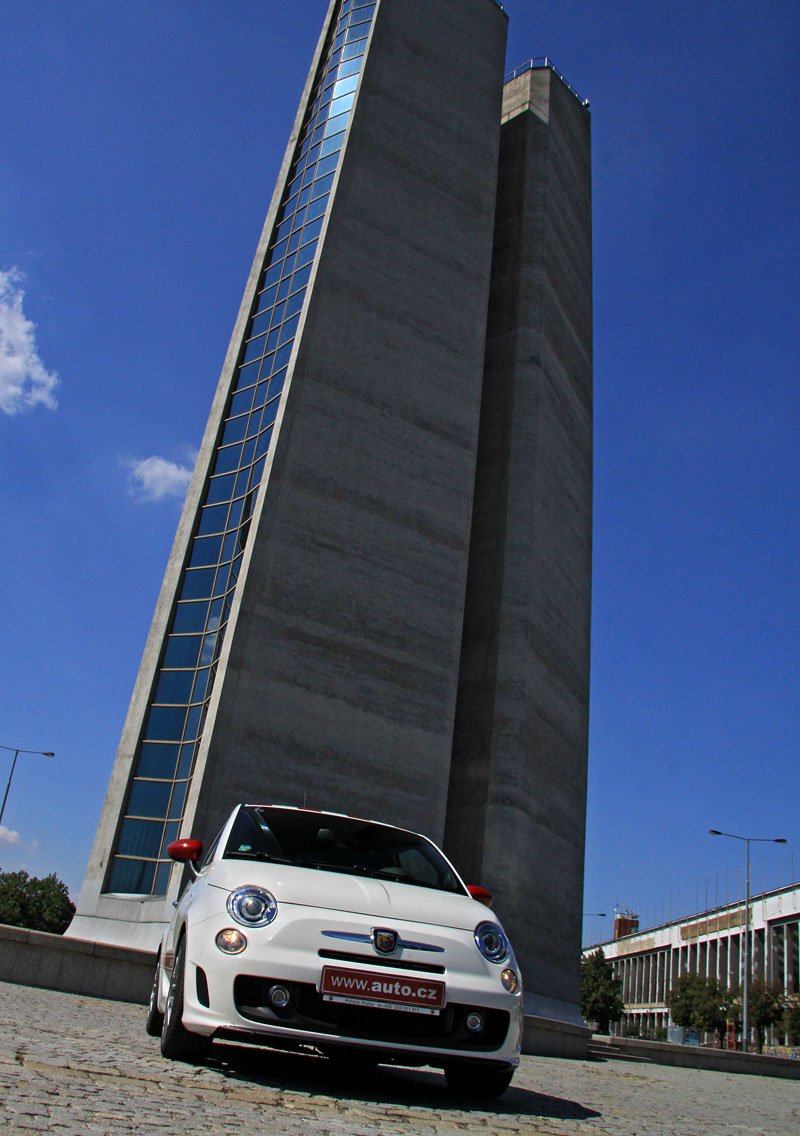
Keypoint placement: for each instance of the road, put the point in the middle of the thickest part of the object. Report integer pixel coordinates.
(77, 1066)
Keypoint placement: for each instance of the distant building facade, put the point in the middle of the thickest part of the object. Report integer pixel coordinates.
(378, 597)
(710, 944)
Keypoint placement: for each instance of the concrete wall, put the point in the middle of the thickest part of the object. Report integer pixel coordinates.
(33, 958)
(695, 1057)
(516, 812)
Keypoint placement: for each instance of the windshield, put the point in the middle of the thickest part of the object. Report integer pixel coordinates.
(333, 843)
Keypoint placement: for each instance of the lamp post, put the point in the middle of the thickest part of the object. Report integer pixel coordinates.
(17, 750)
(747, 840)
(590, 914)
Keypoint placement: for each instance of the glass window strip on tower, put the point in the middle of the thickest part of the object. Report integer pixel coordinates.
(174, 721)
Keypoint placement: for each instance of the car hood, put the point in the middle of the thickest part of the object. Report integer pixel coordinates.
(335, 891)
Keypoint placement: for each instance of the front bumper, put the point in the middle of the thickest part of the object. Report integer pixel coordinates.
(227, 997)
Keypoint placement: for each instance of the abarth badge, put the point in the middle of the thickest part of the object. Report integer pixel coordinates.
(384, 941)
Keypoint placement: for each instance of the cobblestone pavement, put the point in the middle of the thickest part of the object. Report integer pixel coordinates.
(77, 1066)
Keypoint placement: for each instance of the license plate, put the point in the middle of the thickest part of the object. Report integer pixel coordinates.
(381, 991)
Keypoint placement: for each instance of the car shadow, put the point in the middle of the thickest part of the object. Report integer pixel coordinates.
(382, 1084)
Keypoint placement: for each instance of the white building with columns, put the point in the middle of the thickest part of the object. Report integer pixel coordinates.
(710, 944)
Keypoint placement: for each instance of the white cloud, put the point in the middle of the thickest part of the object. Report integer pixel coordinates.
(156, 478)
(24, 381)
(9, 836)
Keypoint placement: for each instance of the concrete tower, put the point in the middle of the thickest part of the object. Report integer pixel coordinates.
(516, 804)
(307, 641)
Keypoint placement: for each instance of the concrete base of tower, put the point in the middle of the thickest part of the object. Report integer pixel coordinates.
(554, 1028)
(122, 933)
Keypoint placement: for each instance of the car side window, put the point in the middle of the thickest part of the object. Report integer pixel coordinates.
(209, 856)
(251, 838)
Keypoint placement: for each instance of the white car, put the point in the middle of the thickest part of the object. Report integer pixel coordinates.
(306, 928)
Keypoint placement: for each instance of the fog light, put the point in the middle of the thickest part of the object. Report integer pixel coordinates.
(474, 1022)
(230, 941)
(279, 996)
(510, 980)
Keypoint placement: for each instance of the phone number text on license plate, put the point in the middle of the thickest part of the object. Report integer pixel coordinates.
(382, 991)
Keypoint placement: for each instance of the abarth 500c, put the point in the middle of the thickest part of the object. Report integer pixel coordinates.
(358, 939)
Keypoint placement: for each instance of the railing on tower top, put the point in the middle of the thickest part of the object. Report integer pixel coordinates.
(540, 63)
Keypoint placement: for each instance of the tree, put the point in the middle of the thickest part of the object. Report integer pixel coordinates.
(38, 904)
(791, 1020)
(766, 1003)
(601, 999)
(700, 1003)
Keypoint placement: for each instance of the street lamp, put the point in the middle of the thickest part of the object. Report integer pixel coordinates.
(17, 751)
(597, 914)
(748, 840)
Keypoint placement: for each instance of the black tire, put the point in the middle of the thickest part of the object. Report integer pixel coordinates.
(485, 1082)
(177, 1042)
(155, 1019)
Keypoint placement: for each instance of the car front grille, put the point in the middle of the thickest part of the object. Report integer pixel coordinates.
(376, 960)
(308, 1011)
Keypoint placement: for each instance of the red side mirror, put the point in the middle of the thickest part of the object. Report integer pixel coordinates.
(185, 851)
(481, 894)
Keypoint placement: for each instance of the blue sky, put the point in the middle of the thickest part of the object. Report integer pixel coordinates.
(140, 145)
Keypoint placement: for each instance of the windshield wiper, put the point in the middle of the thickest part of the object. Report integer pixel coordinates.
(264, 857)
(343, 869)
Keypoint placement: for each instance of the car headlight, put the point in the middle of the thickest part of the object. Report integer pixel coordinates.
(491, 942)
(252, 906)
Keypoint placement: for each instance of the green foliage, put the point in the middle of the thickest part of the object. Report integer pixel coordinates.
(766, 1003)
(601, 1000)
(38, 904)
(791, 1020)
(701, 1004)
